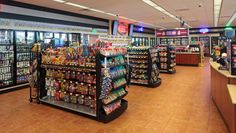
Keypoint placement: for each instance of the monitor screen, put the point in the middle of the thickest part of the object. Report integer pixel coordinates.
(115, 27)
(230, 33)
(131, 29)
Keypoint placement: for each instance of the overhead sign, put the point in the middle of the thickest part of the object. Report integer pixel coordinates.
(204, 30)
(123, 28)
(166, 33)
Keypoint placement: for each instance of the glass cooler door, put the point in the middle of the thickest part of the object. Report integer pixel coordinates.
(6, 58)
(24, 43)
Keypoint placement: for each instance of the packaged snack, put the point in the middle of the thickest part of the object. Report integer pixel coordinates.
(81, 99)
(62, 95)
(57, 95)
(66, 97)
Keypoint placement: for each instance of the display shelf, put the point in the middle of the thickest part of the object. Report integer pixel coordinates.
(68, 80)
(70, 106)
(63, 67)
(118, 77)
(115, 114)
(116, 65)
(120, 86)
(110, 56)
(27, 60)
(135, 82)
(165, 66)
(97, 92)
(156, 84)
(150, 62)
(22, 81)
(5, 44)
(138, 57)
(117, 99)
(23, 67)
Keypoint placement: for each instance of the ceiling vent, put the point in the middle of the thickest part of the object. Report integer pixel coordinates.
(182, 10)
(225, 16)
(84, 10)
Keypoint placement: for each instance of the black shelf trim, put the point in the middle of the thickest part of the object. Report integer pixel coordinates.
(117, 99)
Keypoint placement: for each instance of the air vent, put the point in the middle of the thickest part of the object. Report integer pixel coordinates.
(225, 16)
(84, 10)
(182, 10)
(193, 20)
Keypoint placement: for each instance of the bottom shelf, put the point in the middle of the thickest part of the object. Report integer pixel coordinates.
(167, 71)
(69, 106)
(107, 118)
(156, 84)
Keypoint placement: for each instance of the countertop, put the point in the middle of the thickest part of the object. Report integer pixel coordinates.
(232, 92)
(186, 53)
(226, 73)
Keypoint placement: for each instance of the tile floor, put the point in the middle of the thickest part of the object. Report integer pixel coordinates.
(182, 104)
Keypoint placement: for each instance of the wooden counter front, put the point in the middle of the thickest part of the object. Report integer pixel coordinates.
(223, 96)
(187, 58)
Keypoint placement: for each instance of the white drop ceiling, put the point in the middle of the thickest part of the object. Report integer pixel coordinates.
(189, 10)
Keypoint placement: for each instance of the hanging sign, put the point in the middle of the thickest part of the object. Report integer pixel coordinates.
(164, 33)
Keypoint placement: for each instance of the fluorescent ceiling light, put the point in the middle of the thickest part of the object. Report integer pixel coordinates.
(149, 2)
(159, 8)
(60, 1)
(231, 19)
(95, 10)
(217, 7)
(110, 14)
(107, 13)
(76, 5)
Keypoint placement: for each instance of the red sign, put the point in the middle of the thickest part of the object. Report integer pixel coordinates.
(164, 33)
(123, 28)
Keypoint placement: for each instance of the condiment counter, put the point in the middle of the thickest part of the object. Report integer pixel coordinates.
(223, 91)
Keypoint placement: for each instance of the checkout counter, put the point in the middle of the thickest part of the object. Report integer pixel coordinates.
(223, 91)
(188, 55)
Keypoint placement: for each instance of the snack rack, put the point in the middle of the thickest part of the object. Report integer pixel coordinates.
(83, 96)
(144, 69)
(167, 59)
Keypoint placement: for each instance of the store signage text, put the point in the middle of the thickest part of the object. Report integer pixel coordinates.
(163, 33)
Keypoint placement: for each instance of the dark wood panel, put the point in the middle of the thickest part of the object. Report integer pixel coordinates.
(187, 59)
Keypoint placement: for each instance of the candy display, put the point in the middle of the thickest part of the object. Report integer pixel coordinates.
(81, 79)
(113, 51)
(119, 82)
(113, 81)
(112, 107)
(114, 95)
(143, 62)
(106, 84)
(167, 58)
(71, 56)
(116, 72)
(113, 61)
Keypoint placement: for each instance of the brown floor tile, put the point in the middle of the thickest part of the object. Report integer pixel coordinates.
(181, 104)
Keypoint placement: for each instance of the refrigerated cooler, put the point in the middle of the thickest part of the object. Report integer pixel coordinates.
(24, 43)
(6, 58)
(206, 41)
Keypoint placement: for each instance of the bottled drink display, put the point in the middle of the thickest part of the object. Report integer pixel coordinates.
(6, 58)
(24, 43)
